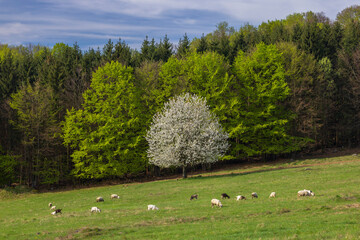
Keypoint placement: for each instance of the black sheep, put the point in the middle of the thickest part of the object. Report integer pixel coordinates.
(194, 196)
(224, 195)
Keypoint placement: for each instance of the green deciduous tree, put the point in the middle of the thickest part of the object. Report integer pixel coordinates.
(257, 122)
(107, 134)
(206, 75)
(348, 15)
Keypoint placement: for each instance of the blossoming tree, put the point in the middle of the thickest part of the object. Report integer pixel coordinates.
(185, 133)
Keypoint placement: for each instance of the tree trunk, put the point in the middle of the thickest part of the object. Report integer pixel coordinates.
(184, 172)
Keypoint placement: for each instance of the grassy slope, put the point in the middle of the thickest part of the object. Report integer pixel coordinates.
(333, 213)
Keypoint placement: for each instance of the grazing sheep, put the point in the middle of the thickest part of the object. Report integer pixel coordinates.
(152, 207)
(240, 197)
(50, 204)
(53, 208)
(311, 193)
(305, 192)
(95, 209)
(254, 195)
(114, 196)
(99, 199)
(56, 211)
(272, 195)
(195, 196)
(224, 195)
(216, 202)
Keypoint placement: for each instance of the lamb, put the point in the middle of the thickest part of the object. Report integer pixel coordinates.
(216, 202)
(272, 195)
(99, 199)
(152, 207)
(240, 197)
(305, 192)
(114, 196)
(95, 209)
(195, 196)
(254, 195)
(224, 195)
(53, 208)
(50, 204)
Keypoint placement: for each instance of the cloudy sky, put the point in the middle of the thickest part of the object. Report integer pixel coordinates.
(91, 23)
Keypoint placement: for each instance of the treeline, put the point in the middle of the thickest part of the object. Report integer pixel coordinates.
(285, 86)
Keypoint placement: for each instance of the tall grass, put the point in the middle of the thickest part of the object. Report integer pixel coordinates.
(334, 213)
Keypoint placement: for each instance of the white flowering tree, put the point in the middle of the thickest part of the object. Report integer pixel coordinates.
(185, 133)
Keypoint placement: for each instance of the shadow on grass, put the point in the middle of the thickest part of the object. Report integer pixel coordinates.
(289, 164)
(224, 175)
(339, 198)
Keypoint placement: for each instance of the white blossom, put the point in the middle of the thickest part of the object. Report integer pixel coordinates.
(185, 133)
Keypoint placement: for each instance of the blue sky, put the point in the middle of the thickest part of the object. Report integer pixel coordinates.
(91, 23)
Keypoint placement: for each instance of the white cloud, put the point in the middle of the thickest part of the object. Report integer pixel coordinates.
(15, 28)
(244, 10)
(132, 20)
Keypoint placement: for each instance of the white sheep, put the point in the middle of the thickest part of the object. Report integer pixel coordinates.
(254, 195)
(216, 202)
(272, 195)
(311, 193)
(240, 197)
(305, 192)
(114, 196)
(152, 207)
(53, 213)
(95, 209)
(53, 208)
(99, 199)
(50, 204)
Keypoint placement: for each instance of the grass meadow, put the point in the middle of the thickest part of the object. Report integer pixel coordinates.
(334, 213)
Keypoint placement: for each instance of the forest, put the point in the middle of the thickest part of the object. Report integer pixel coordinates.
(280, 88)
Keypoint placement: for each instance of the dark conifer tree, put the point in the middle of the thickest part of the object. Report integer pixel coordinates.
(184, 46)
(203, 46)
(122, 53)
(108, 51)
(165, 49)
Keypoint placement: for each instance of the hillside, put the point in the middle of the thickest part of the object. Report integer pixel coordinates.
(332, 214)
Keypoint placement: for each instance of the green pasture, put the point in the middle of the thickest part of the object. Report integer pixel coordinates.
(334, 213)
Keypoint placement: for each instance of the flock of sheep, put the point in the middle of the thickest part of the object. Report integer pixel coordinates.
(214, 202)
(93, 209)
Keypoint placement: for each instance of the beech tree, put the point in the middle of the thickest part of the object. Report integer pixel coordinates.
(257, 121)
(185, 133)
(107, 134)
